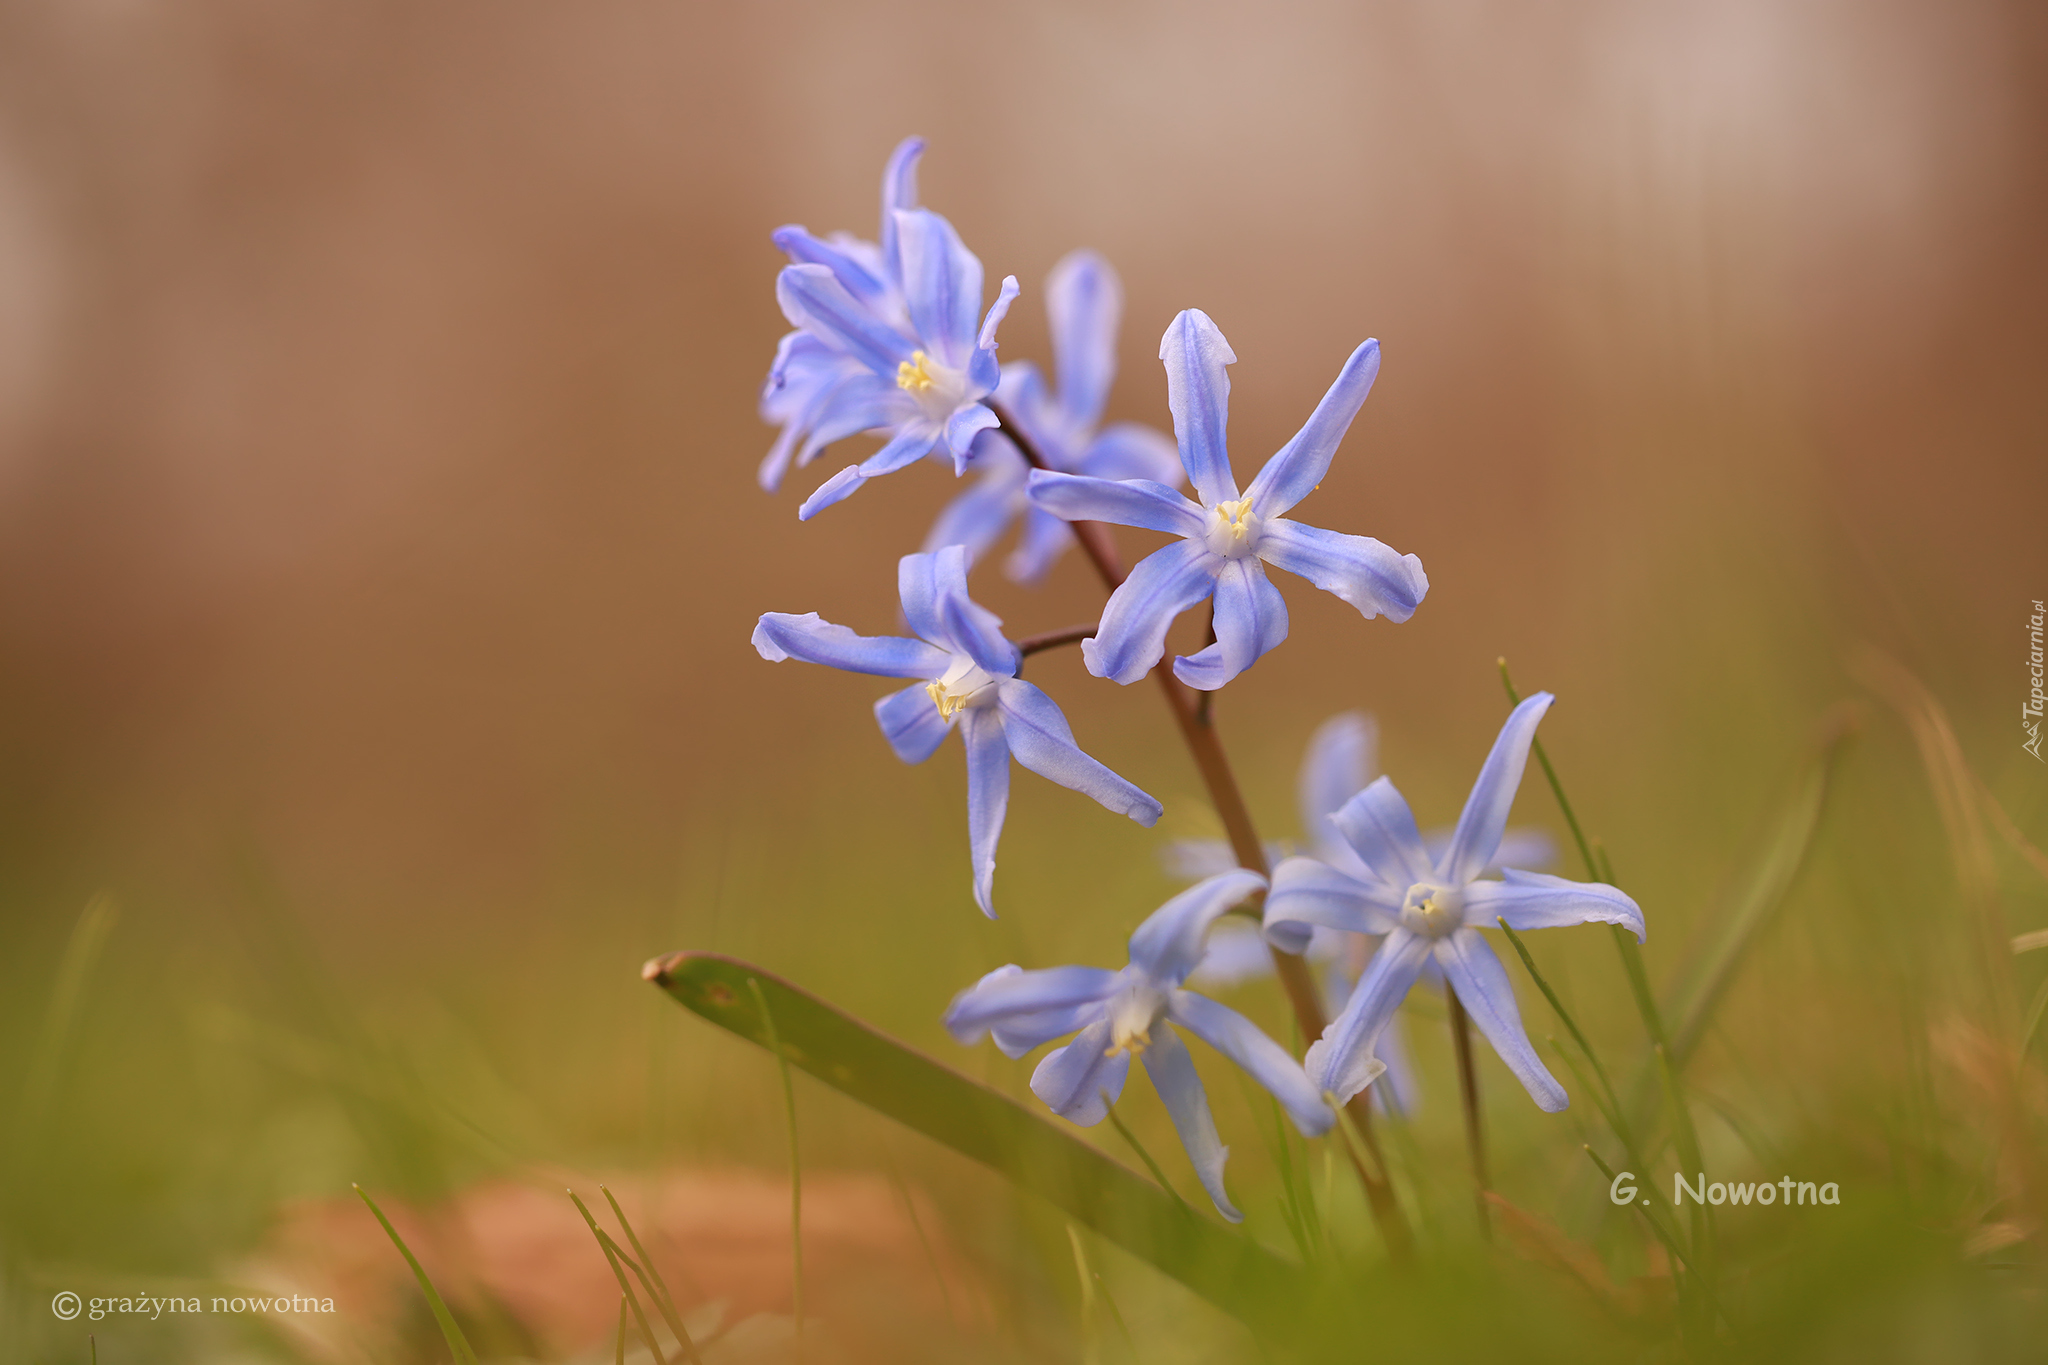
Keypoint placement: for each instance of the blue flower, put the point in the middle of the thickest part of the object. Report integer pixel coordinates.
(969, 681)
(1228, 537)
(904, 315)
(1083, 302)
(1431, 909)
(1121, 1014)
(812, 375)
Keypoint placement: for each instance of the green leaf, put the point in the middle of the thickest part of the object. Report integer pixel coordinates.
(1223, 1266)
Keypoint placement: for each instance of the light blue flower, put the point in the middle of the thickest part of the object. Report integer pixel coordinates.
(1228, 538)
(811, 375)
(1124, 1013)
(969, 681)
(1431, 909)
(1084, 303)
(923, 383)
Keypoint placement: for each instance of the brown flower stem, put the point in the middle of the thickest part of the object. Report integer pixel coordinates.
(1192, 712)
(1468, 1093)
(1053, 639)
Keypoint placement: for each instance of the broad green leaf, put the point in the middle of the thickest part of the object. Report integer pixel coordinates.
(1222, 1265)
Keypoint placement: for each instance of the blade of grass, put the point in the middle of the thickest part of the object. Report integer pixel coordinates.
(81, 954)
(457, 1342)
(1089, 1186)
(1116, 1122)
(619, 1350)
(658, 1290)
(931, 1256)
(1612, 1107)
(612, 1259)
(796, 1165)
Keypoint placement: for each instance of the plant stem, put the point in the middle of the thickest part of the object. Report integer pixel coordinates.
(1053, 639)
(1468, 1095)
(1198, 728)
(796, 1169)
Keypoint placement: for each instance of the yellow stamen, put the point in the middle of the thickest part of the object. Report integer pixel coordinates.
(1236, 512)
(915, 373)
(946, 701)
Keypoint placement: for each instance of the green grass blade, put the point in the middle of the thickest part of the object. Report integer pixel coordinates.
(619, 1350)
(612, 1259)
(796, 1165)
(1094, 1190)
(457, 1342)
(657, 1290)
(46, 1065)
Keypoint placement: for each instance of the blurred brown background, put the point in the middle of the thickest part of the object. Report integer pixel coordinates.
(377, 432)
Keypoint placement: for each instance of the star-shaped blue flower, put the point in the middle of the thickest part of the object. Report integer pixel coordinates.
(1084, 304)
(1432, 909)
(1124, 1013)
(969, 682)
(1228, 537)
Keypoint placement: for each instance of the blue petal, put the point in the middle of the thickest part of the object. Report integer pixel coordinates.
(1529, 849)
(1308, 891)
(1339, 762)
(782, 636)
(1021, 1033)
(1193, 859)
(1198, 395)
(857, 401)
(1123, 502)
(1040, 740)
(934, 592)
(836, 489)
(805, 249)
(1341, 1061)
(1075, 1079)
(1173, 1074)
(1132, 450)
(899, 191)
(1482, 986)
(911, 723)
(1234, 954)
(1381, 830)
(1264, 1060)
(1084, 303)
(968, 421)
(1132, 633)
(1293, 473)
(983, 373)
(1251, 618)
(1399, 1091)
(988, 797)
(1493, 793)
(1533, 900)
(1168, 944)
(1357, 569)
(977, 518)
(910, 443)
(1010, 994)
(941, 284)
(1044, 540)
(813, 298)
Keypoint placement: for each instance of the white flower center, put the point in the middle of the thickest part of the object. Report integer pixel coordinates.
(1233, 529)
(1433, 910)
(938, 389)
(966, 683)
(1133, 1010)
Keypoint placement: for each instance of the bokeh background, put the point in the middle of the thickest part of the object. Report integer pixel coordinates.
(379, 545)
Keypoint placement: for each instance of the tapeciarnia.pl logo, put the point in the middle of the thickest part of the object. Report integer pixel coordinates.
(2030, 711)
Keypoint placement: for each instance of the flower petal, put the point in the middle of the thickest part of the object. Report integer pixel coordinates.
(803, 248)
(1123, 502)
(988, 797)
(1381, 830)
(1534, 900)
(1251, 618)
(1040, 739)
(782, 636)
(1075, 1079)
(1399, 1090)
(1530, 850)
(836, 489)
(960, 623)
(1198, 395)
(1339, 762)
(1084, 302)
(941, 284)
(1010, 995)
(1045, 538)
(1493, 794)
(1132, 632)
(968, 421)
(1168, 944)
(813, 298)
(1293, 473)
(910, 443)
(1308, 892)
(911, 723)
(1234, 954)
(983, 373)
(1355, 569)
(1193, 859)
(899, 191)
(1482, 986)
(1341, 1061)
(977, 518)
(1264, 1060)
(1132, 450)
(1172, 1069)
